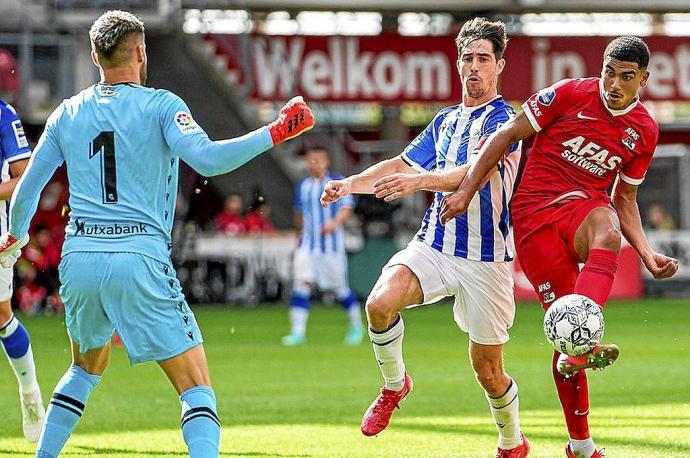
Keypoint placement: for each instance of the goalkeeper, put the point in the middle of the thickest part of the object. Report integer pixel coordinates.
(122, 143)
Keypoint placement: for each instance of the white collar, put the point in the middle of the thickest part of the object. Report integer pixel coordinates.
(625, 110)
(465, 109)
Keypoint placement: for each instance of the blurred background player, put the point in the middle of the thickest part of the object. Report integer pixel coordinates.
(122, 210)
(465, 258)
(15, 340)
(320, 259)
(589, 133)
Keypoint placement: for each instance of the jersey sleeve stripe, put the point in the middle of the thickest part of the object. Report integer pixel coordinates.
(530, 117)
(632, 181)
(412, 163)
(19, 157)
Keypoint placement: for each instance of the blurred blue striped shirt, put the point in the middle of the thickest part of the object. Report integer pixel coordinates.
(307, 202)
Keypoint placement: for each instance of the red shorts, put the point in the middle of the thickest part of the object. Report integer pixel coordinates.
(544, 245)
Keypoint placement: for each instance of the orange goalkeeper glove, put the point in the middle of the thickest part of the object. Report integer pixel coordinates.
(293, 119)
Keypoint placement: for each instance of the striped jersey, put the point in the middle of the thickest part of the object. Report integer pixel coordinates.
(450, 140)
(307, 194)
(13, 147)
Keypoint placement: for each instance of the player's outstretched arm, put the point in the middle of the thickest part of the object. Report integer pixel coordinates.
(625, 201)
(363, 182)
(397, 185)
(490, 154)
(210, 158)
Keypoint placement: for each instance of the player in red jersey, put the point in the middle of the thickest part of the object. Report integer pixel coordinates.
(588, 132)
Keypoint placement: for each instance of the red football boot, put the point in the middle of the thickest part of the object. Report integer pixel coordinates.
(570, 454)
(379, 413)
(521, 451)
(600, 357)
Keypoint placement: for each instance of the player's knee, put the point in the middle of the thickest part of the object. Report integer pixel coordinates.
(5, 312)
(608, 239)
(490, 376)
(92, 367)
(379, 311)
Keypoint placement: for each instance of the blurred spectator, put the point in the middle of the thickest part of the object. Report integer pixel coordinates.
(38, 276)
(659, 219)
(257, 220)
(50, 208)
(43, 250)
(30, 295)
(9, 76)
(230, 221)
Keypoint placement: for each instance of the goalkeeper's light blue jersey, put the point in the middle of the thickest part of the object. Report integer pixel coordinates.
(118, 141)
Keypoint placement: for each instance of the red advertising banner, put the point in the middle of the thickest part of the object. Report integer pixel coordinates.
(391, 68)
(387, 68)
(535, 62)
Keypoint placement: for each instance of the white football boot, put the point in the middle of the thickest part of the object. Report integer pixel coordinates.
(33, 414)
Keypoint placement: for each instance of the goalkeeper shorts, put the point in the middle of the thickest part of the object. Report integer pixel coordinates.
(135, 295)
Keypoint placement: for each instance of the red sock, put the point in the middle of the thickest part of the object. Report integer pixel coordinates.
(574, 396)
(596, 277)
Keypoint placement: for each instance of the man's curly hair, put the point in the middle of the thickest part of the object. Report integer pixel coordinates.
(629, 49)
(111, 29)
(481, 28)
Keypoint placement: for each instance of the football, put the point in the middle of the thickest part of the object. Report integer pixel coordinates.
(574, 324)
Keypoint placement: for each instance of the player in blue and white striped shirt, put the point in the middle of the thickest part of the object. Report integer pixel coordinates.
(465, 258)
(14, 156)
(320, 259)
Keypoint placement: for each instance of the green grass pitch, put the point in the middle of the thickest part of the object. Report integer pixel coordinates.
(308, 401)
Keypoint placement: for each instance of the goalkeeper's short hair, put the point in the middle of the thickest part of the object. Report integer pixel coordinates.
(110, 30)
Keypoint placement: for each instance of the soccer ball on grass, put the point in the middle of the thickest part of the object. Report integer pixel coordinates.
(574, 324)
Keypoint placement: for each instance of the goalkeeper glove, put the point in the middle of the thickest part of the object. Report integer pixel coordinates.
(293, 119)
(11, 249)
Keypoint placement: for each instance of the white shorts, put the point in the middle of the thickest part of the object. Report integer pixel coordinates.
(484, 301)
(327, 271)
(6, 284)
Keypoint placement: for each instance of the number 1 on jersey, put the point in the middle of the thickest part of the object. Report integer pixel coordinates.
(105, 143)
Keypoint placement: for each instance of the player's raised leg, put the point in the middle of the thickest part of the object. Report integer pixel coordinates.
(188, 373)
(17, 347)
(597, 242)
(69, 398)
(550, 281)
(396, 288)
(502, 394)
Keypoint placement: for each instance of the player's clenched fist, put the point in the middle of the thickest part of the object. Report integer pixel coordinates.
(453, 205)
(660, 266)
(11, 249)
(334, 190)
(293, 119)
